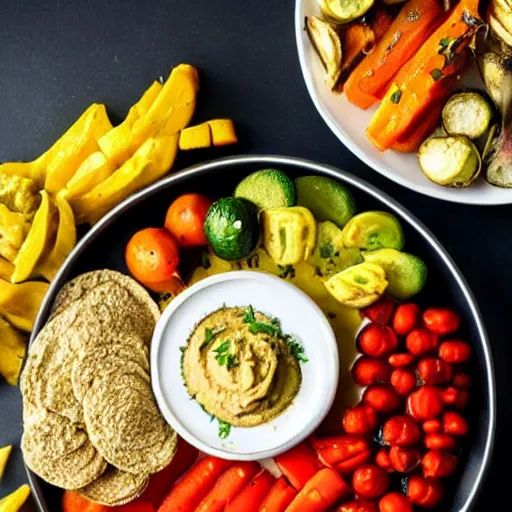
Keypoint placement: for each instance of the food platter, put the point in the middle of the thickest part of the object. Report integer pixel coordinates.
(104, 246)
(349, 123)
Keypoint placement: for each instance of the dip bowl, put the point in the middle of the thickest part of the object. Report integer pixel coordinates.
(298, 315)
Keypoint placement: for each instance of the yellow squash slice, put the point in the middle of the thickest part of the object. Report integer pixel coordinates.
(65, 156)
(34, 243)
(12, 349)
(65, 240)
(5, 452)
(15, 501)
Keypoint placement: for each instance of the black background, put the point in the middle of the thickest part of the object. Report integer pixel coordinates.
(56, 57)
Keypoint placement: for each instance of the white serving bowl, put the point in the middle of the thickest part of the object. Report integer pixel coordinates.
(298, 315)
(349, 123)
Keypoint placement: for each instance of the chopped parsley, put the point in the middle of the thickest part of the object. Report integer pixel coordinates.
(396, 96)
(224, 428)
(286, 271)
(326, 251)
(296, 349)
(259, 327)
(249, 315)
(209, 336)
(436, 74)
(223, 357)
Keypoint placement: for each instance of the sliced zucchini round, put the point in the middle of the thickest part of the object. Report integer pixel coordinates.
(345, 11)
(467, 113)
(450, 161)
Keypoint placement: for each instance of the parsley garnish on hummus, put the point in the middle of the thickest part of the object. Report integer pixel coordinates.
(224, 429)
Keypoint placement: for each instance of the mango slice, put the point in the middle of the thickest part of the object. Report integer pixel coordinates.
(6, 269)
(149, 163)
(15, 501)
(93, 170)
(117, 144)
(223, 132)
(35, 243)
(195, 137)
(19, 303)
(65, 240)
(5, 452)
(65, 156)
(12, 350)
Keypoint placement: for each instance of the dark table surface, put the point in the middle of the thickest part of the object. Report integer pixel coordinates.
(58, 56)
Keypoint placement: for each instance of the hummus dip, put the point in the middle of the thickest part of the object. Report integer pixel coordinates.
(241, 377)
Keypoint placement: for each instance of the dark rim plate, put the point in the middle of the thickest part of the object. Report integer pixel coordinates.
(476, 457)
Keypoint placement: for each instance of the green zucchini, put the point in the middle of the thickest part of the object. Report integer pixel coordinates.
(345, 11)
(467, 113)
(451, 161)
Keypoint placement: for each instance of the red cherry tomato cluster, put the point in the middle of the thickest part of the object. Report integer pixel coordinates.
(411, 366)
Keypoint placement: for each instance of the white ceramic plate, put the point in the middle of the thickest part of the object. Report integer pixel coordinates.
(349, 123)
(298, 315)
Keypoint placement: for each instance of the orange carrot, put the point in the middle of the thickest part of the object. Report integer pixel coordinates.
(250, 497)
(227, 486)
(380, 23)
(321, 492)
(160, 483)
(415, 22)
(73, 502)
(422, 80)
(298, 464)
(194, 486)
(279, 497)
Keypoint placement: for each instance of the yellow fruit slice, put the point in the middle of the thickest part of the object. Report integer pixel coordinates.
(15, 501)
(195, 137)
(5, 452)
(13, 349)
(6, 269)
(35, 243)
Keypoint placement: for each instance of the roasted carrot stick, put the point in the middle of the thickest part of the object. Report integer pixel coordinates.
(298, 464)
(227, 486)
(194, 486)
(422, 80)
(415, 22)
(279, 497)
(320, 493)
(250, 497)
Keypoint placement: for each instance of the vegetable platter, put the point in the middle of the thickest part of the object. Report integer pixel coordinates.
(414, 89)
(428, 323)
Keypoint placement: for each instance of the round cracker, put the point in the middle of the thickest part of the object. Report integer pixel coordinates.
(115, 487)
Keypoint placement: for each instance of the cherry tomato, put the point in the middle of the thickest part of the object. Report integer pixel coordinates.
(425, 403)
(434, 371)
(401, 360)
(395, 502)
(441, 321)
(185, 219)
(367, 371)
(370, 481)
(152, 257)
(404, 381)
(360, 420)
(454, 424)
(438, 464)
(425, 492)
(344, 453)
(432, 427)
(454, 351)
(380, 312)
(420, 341)
(449, 395)
(406, 318)
(404, 460)
(382, 460)
(462, 381)
(358, 506)
(439, 442)
(401, 431)
(382, 397)
(377, 340)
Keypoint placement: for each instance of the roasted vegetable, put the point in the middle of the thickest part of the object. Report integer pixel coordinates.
(499, 161)
(367, 84)
(15, 501)
(346, 10)
(13, 230)
(425, 77)
(289, 234)
(467, 113)
(13, 348)
(19, 303)
(450, 161)
(326, 41)
(6, 269)
(358, 286)
(18, 194)
(499, 16)
(5, 452)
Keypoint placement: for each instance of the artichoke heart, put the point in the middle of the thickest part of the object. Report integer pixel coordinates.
(289, 234)
(358, 286)
(327, 43)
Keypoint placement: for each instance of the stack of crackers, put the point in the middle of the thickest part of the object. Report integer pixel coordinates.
(90, 419)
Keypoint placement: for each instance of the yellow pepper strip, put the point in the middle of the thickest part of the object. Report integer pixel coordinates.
(34, 243)
(12, 349)
(117, 144)
(6, 269)
(19, 303)
(223, 132)
(15, 501)
(65, 156)
(173, 108)
(65, 240)
(5, 452)
(195, 137)
(150, 162)
(93, 170)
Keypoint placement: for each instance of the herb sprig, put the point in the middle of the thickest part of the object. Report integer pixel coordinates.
(224, 428)
(223, 357)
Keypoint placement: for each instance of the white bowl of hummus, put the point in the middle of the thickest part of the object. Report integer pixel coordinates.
(244, 365)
